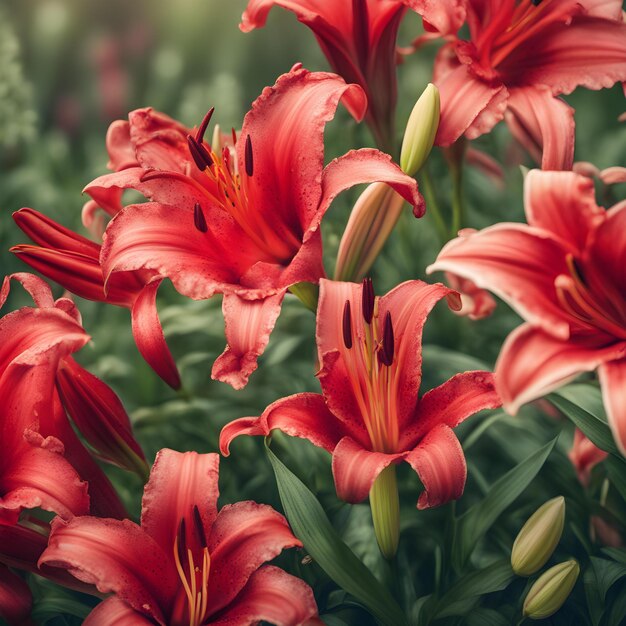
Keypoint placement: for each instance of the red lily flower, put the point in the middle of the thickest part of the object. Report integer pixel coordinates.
(15, 599)
(369, 415)
(186, 563)
(585, 455)
(563, 273)
(358, 38)
(521, 55)
(43, 461)
(244, 221)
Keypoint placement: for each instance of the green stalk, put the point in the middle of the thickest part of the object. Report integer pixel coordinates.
(385, 505)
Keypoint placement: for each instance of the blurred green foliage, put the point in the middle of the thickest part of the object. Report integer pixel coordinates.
(69, 67)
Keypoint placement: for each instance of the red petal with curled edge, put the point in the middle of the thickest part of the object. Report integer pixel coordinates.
(518, 263)
(555, 58)
(563, 203)
(274, 596)
(303, 415)
(522, 377)
(467, 102)
(118, 557)
(248, 327)
(613, 381)
(286, 128)
(149, 337)
(544, 125)
(178, 482)
(440, 463)
(15, 598)
(99, 416)
(244, 536)
(356, 468)
(38, 289)
(451, 403)
(115, 612)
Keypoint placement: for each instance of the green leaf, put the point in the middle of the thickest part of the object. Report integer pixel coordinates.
(475, 522)
(591, 424)
(616, 469)
(495, 577)
(617, 554)
(487, 617)
(607, 574)
(311, 525)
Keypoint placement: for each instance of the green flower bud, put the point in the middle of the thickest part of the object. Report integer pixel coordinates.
(538, 538)
(420, 132)
(385, 507)
(551, 590)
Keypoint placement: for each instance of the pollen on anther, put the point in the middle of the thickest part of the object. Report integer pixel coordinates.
(198, 218)
(182, 541)
(199, 153)
(387, 349)
(249, 157)
(197, 520)
(204, 125)
(347, 325)
(367, 300)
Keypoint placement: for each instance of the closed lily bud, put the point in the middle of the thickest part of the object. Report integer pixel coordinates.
(550, 590)
(538, 538)
(373, 218)
(420, 132)
(385, 507)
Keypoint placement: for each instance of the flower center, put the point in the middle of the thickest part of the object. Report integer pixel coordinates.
(372, 365)
(193, 573)
(513, 24)
(232, 190)
(579, 301)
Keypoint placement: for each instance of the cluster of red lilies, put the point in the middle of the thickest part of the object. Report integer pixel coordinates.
(239, 214)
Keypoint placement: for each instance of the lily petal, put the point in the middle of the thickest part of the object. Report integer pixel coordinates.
(149, 337)
(444, 16)
(355, 469)
(244, 536)
(516, 262)
(15, 599)
(544, 125)
(115, 612)
(121, 150)
(274, 596)
(178, 481)
(451, 403)
(248, 327)
(302, 415)
(286, 125)
(38, 289)
(555, 57)
(613, 381)
(564, 204)
(532, 363)
(440, 463)
(116, 556)
(409, 305)
(468, 104)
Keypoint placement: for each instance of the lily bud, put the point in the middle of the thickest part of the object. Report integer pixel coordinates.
(420, 132)
(372, 219)
(538, 538)
(550, 590)
(100, 417)
(385, 506)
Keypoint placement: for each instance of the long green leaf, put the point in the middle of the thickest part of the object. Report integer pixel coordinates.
(593, 426)
(495, 577)
(475, 522)
(311, 525)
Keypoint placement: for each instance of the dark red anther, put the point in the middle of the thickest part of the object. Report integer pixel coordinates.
(199, 153)
(347, 325)
(536, 2)
(233, 132)
(387, 349)
(367, 300)
(199, 219)
(205, 124)
(249, 159)
(182, 541)
(197, 521)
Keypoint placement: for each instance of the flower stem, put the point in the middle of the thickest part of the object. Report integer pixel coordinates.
(432, 207)
(385, 506)
(458, 206)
